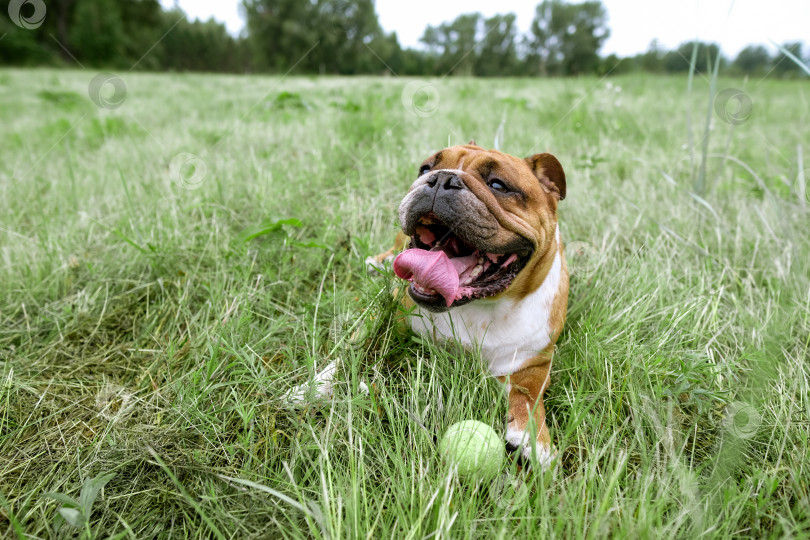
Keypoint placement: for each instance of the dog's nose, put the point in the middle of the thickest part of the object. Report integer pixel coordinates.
(453, 182)
(445, 179)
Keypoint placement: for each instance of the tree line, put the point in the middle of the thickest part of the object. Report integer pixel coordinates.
(343, 37)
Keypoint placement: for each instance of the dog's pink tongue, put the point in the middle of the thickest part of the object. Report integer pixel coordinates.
(430, 270)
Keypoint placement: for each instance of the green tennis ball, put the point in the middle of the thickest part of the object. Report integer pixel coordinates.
(474, 448)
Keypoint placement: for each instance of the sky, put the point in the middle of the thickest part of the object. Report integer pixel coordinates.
(633, 23)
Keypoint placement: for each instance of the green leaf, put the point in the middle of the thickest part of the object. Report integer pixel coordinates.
(90, 490)
(72, 516)
(267, 227)
(312, 244)
(58, 521)
(62, 498)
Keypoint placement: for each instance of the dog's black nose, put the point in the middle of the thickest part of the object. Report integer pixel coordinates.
(453, 182)
(445, 179)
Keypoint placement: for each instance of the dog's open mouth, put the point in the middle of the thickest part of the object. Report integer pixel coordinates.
(444, 269)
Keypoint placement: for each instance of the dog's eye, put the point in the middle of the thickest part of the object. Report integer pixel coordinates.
(423, 169)
(497, 185)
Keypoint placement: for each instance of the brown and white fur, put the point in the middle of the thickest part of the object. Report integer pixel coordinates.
(517, 328)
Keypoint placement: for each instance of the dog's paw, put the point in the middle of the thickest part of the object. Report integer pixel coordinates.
(375, 266)
(529, 449)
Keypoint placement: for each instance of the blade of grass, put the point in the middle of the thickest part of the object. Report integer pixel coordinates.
(804, 67)
(689, 133)
(189, 499)
(15, 524)
(700, 186)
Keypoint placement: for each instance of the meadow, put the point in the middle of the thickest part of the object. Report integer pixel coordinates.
(177, 251)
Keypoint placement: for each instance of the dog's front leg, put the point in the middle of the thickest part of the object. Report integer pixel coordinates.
(527, 414)
(377, 263)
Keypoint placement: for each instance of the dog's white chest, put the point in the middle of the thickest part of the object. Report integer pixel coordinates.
(507, 332)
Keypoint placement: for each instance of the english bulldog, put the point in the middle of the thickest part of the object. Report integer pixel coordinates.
(485, 265)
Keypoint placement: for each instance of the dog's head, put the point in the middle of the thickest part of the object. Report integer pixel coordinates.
(479, 220)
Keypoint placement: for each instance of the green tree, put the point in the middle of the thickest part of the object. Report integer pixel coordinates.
(678, 60)
(143, 22)
(497, 51)
(60, 14)
(35, 46)
(346, 30)
(784, 66)
(613, 65)
(97, 33)
(753, 60)
(566, 38)
(280, 31)
(390, 55)
(455, 45)
(653, 59)
(320, 36)
(21, 47)
(416, 62)
(198, 45)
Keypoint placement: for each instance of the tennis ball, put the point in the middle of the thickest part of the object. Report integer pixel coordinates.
(474, 448)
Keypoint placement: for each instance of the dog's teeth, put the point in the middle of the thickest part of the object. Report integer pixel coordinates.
(423, 290)
(476, 271)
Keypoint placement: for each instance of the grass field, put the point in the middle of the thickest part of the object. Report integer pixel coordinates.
(172, 262)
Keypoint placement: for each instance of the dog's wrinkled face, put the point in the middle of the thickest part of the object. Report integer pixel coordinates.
(477, 219)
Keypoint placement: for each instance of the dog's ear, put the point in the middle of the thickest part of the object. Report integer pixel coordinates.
(549, 171)
(472, 143)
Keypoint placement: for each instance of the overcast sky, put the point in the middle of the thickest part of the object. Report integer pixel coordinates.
(633, 23)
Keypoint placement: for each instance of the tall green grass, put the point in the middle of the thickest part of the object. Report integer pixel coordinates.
(151, 320)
